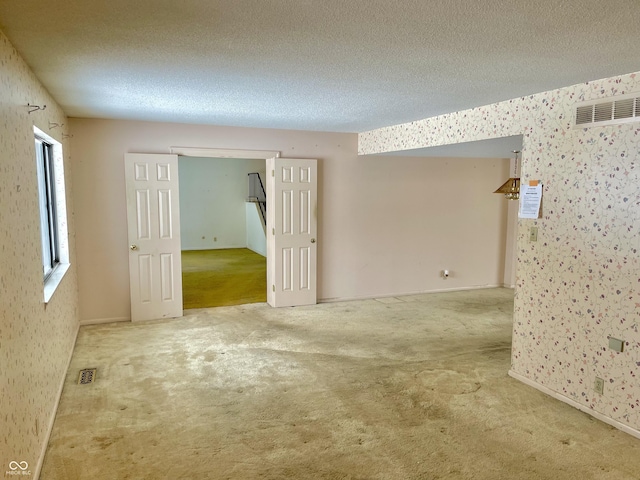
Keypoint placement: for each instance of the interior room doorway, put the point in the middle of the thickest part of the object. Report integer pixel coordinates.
(222, 232)
(153, 220)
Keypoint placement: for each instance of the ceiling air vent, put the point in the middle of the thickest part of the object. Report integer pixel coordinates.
(603, 112)
(623, 109)
(584, 115)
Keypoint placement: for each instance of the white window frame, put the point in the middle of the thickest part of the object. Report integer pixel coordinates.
(53, 211)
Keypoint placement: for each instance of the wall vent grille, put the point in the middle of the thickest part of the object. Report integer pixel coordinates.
(623, 109)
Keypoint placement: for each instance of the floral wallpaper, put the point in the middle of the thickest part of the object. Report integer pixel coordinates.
(36, 340)
(579, 284)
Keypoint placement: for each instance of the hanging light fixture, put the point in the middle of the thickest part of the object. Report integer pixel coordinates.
(511, 188)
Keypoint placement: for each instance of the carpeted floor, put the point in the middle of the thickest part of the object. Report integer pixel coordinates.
(215, 278)
(398, 388)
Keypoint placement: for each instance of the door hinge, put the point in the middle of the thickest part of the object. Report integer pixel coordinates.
(273, 173)
(273, 231)
(273, 287)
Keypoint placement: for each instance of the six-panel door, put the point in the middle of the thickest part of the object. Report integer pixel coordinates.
(153, 218)
(292, 242)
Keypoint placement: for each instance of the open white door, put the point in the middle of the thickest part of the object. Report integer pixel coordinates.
(291, 231)
(153, 218)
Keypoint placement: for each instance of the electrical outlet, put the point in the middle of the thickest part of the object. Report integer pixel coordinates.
(598, 386)
(533, 234)
(616, 345)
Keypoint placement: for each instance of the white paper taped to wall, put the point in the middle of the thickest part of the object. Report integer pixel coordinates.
(530, 200)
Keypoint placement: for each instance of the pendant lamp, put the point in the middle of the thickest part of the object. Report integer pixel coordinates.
(511, 188)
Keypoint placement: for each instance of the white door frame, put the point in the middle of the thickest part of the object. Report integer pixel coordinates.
(226, 153)
(223, 153)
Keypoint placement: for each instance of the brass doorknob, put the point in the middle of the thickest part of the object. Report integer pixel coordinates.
(313, 240)
(133, 247)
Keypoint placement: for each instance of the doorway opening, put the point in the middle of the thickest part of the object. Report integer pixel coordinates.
(222, 233)
(223, 277)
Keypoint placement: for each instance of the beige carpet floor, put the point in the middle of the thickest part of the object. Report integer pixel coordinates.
(230, 276)
(399, 388)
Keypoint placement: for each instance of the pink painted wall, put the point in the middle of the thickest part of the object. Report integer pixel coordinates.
(387, 225)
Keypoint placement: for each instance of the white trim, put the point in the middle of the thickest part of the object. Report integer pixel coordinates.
(406, 294)
(98, 321)
(603, 418)
(52, 418)
(53, 280)
(224, 153)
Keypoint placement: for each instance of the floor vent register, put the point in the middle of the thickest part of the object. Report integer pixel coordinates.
(87, 375)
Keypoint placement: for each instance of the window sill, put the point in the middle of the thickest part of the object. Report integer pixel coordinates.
(52, 282)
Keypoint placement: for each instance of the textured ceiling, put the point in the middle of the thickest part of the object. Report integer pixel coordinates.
(332, 65)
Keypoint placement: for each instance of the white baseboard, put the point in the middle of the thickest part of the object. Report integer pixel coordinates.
(52, 418)
(405, 294)
(97, 321)
(603, 418)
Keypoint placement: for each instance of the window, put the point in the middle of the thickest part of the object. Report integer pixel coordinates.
(47, 194)
(53, 216)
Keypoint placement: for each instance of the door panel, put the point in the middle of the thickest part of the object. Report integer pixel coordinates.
(153, 217)
(292, 227)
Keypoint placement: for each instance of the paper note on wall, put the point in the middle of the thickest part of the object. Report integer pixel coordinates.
(530, 200)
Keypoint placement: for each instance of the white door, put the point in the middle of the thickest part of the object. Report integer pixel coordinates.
(291, 235)
(153, 218)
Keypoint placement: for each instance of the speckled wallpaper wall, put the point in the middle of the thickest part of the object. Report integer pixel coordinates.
(580, 282)
(36, 340)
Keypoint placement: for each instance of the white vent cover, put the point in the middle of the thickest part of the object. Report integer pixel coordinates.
(622, 109)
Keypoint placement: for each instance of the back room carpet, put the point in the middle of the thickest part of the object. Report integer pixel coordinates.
(216, 278)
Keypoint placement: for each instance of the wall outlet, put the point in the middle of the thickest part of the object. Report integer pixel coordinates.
(598, 386)
(533, 234)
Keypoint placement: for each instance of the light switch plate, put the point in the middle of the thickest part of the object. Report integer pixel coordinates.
(533, 234)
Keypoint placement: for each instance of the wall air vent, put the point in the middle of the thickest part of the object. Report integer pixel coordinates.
(622, 109)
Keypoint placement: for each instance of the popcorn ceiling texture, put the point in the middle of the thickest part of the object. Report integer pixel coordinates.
(36, 340)
(580, 282)
(330, 65)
